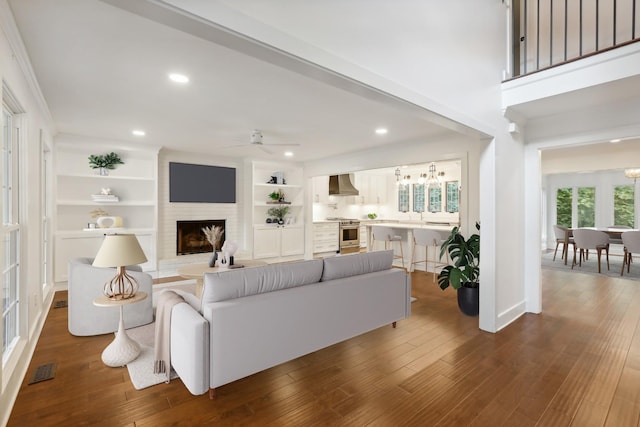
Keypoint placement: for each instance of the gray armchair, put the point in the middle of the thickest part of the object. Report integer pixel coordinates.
(85, 284)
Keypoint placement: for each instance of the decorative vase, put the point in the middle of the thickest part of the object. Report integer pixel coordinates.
(103, 172)
(214, 258)
(469, 300)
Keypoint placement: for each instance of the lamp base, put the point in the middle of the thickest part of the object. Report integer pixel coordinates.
(122, 350)
(122, 286)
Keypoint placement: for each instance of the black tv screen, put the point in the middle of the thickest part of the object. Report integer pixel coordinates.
(189, 183)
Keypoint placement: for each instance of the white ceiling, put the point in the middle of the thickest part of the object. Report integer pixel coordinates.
(103, 72)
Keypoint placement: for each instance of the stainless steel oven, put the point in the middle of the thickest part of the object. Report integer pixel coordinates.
(349, 235)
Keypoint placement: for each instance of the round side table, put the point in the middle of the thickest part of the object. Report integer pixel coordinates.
(123, 349)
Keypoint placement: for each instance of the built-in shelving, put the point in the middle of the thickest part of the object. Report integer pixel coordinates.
(277, 240)
(135, 185)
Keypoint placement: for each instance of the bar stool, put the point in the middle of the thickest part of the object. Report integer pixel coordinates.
(386, 235)
(428, 239)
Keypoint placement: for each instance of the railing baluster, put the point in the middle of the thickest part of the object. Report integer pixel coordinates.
(550, 32)
(580, 28)
(615, 7)
(566, 11)
(597, 22)
(538, 36)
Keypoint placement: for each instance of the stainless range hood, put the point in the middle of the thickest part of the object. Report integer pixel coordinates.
(340, 185)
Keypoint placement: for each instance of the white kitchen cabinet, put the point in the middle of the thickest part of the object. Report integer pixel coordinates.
(372, 189)
(135, 185)
(326, 237)
(320, 185)
(274, 241)
(364, 237)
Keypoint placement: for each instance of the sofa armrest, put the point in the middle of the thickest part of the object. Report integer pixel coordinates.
(190, 348)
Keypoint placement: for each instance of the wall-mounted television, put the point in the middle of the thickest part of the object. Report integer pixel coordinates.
(189, 183)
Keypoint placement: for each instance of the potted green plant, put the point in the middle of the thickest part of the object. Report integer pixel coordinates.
(277, 196)
(464, 274)
(279, 213)
(104, 162)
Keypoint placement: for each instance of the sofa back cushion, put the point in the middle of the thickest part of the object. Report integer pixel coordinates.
(341, 266)
(242, 282)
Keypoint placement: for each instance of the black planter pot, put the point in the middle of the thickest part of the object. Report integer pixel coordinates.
(469, 300)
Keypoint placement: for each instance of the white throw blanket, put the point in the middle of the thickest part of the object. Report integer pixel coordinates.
(162, 359)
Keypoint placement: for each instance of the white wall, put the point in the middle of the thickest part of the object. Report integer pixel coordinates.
(35, 298)
(170, 212)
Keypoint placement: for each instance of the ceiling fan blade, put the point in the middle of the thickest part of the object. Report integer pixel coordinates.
(283, 145)
(263, 148)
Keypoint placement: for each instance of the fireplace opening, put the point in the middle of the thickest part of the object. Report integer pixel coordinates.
(191, 240)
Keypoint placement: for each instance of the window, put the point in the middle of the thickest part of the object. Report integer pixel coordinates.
(564, 200)
(418, 198)
(623, 209)
(403, 198)
(435, 198)
(586, 207)
(453, 196)
(11, 234)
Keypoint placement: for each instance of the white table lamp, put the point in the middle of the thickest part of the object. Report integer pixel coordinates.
(120, 250)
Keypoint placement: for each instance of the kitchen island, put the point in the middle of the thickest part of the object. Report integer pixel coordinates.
(405, 230)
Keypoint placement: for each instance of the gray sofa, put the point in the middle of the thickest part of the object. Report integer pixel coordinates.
(252, 319)
(86, 283)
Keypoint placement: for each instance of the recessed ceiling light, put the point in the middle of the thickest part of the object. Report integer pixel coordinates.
(179, 78)
(288, 153)
(138, 132)
(381, 131)
(615, 140)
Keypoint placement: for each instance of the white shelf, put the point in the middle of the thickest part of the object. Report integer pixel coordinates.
(96, 232)
(274, 205)
(276, 185)
(92, 203)
(107, 177)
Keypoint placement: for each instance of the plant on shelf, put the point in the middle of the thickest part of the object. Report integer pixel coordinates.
(277, 196)
(464, 274)
(279, 213)
(104, 162)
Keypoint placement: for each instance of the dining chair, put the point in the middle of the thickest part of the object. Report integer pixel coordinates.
(561, 237)
(586, 239)
(631, 241)
(615, 240)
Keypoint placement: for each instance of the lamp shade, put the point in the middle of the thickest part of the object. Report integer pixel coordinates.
(119, 250)
(632, 173)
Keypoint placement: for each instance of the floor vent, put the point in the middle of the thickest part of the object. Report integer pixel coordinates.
(43, 373)
(60, 304)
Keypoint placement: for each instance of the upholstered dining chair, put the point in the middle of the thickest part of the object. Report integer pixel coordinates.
(561, 234)
(586, 239)
(631, 241)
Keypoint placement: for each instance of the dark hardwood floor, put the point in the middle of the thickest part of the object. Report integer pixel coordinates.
(576, 364)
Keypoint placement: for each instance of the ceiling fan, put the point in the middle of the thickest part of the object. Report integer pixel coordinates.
(256, 140)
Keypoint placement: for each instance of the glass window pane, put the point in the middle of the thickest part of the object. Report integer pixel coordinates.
(418, 197)
(435, 198)
(564, 199)
(403, 198)
(453, 196)
(623, 205)
(586, 207)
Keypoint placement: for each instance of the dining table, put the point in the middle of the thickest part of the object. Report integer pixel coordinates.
(613, 232)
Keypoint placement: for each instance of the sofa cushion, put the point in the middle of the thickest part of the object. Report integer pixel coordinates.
(238, 283)
(341, 266)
